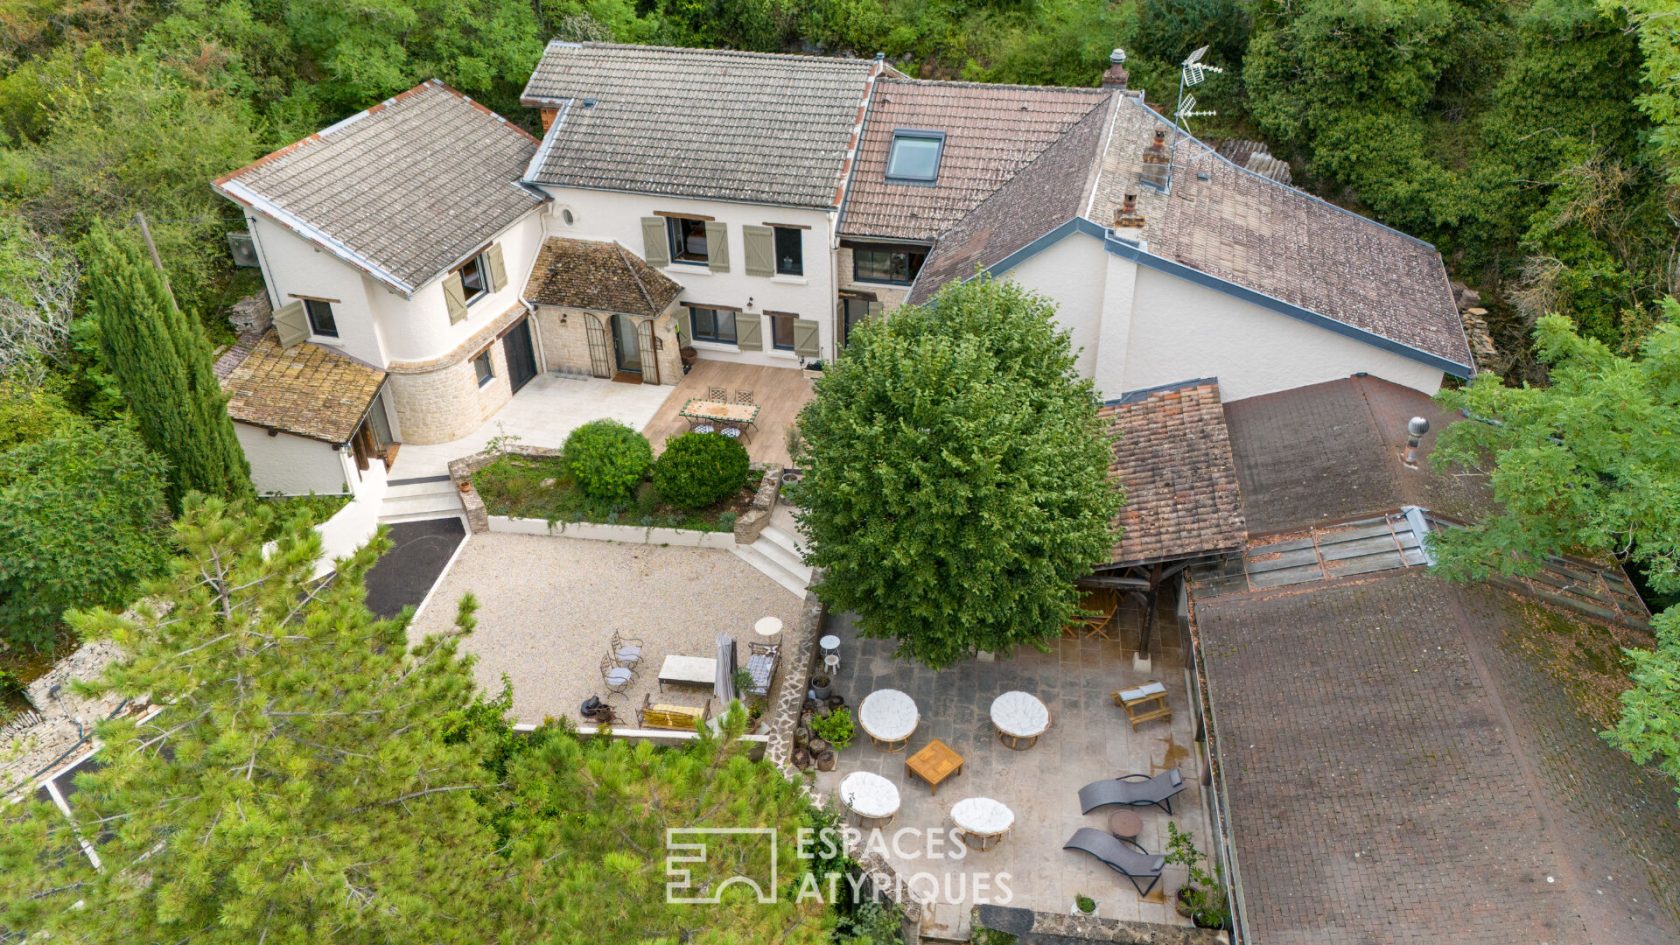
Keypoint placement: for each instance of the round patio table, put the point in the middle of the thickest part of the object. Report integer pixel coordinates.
(768, 627)
(1125, 824)
(869, 796)
(982, 820)
(829, 644)
(890, 717)
(1019, 717)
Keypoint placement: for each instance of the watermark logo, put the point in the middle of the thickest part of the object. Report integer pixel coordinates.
(687, 849)
(701, 863)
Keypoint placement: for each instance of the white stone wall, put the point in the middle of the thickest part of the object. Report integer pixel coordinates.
(602, 215)
(291, 465)
(295, 267)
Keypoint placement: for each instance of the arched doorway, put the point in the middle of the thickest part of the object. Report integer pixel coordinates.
(627, 347)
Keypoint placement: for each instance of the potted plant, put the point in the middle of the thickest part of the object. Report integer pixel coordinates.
(1202, 897)
(1084, 905)
(821, 686)
(836, 728)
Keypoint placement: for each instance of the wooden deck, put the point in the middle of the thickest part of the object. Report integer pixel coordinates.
(779, 392)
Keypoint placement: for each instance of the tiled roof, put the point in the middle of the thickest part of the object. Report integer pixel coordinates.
(991, 132)
(1257, 233)
(404, 190)
(1332, 452)
(1173, 457)
(706, 123)
(1043, 195)
(307, 389)
(596, 275)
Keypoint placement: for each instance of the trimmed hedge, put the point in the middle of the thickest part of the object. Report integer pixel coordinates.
(606, 458)
(699, 469)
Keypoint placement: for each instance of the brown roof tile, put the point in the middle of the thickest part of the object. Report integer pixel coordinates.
(1251, 230)
(1173, 457)
(596, 275)
(991, 132)
(307, 389)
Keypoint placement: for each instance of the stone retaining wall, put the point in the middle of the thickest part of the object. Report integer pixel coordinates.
(1031, 928)
(749, 526)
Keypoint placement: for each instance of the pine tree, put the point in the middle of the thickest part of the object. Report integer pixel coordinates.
(162, 362)
(299, 784)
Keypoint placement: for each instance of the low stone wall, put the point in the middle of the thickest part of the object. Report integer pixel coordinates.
(625, 534)
(1030, 928)
(749, 526)
(461, 473)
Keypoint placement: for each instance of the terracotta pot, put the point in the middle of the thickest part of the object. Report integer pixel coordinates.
(835, 702)
(827, 760)
(801, 758)
(817, 745)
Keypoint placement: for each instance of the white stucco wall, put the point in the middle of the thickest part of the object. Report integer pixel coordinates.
(291, 465)
(418, 329)
(603, 215)
(295, 267)
(1140, 328)
(352, 526)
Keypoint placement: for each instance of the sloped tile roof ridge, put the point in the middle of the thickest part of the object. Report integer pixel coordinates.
(693, 52)
(1006, 86)
(1144, 393)
(635, 273)
(1292, 190)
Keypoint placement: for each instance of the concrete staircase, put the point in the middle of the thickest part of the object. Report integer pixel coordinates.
(418, 500)
(776, 553)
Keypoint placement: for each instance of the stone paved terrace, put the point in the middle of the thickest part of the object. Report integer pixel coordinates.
(1088, 740)
(1405, 766)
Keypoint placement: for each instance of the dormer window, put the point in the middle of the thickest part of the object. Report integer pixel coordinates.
(914, 158)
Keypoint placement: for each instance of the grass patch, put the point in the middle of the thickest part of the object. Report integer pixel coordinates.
(540, 487)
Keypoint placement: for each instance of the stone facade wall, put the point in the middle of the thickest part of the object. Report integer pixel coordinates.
(890, 296)
(448, 403)
(751, 525)
(565, 340)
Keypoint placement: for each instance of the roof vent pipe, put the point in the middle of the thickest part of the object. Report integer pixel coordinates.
(1415, 429)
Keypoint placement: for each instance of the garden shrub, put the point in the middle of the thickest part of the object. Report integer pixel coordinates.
(699, 469)
(607, 459)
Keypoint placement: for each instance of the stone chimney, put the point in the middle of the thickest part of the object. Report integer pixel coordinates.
(1127, 217)
(1116, 76)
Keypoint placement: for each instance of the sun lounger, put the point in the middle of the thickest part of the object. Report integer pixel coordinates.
(1134, 790)
(1129, 860)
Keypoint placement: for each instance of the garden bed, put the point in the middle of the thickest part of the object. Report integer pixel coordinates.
(539, 487)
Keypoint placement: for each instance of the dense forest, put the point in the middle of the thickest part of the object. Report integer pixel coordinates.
(1537, 142)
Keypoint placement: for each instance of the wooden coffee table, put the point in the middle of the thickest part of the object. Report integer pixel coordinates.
(934, 763)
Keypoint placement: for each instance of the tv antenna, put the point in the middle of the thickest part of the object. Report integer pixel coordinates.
(1192, 72)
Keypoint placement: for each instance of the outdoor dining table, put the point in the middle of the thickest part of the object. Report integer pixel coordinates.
(1019, 716)
(982, 820)
(719, 411)
(869, 796)
(888, 716)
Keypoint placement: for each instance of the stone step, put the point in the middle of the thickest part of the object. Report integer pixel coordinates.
(775, 570)
(790, 561)
(791, 543)
(414, 506)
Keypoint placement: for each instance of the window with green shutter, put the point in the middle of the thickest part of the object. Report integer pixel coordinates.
(748, 331)
(759, 242)
(654, 242)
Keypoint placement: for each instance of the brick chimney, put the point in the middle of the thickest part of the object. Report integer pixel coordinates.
(1116, 76)
(1155, 161)
(1127, 216)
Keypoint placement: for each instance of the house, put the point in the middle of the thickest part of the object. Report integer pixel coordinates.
(687, 204)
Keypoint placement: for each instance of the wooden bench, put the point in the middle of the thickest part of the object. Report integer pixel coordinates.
(671, 718)
(1144, 703)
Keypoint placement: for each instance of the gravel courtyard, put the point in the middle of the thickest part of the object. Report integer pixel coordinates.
(548, 607)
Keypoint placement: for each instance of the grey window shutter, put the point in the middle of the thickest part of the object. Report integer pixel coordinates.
(291, 324)
(655, 244)
(805, 338)
(455, 297)
(749, 331)
(760, 244)
(717, 246)
(498, 271)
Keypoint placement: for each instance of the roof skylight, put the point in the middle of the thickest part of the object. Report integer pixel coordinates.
(914, 157)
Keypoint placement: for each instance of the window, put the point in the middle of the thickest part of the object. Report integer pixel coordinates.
(781, 330)
(914, 157)
(790, 251)
(321, 320)
(688, 239)
(475, 279)
(483, 368)
(855, 311)
(713, 324)
(895, 264)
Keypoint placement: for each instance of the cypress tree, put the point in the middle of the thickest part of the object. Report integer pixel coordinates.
(162, 362)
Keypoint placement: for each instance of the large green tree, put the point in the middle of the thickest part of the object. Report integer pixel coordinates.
(956, 475)
(1590, 463)
(162, 362)
(299, 784)
(82, 517)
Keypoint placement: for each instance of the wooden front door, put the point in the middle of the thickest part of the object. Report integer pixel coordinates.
(521, 359)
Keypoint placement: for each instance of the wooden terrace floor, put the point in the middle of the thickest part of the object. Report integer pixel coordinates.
(779, 392)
